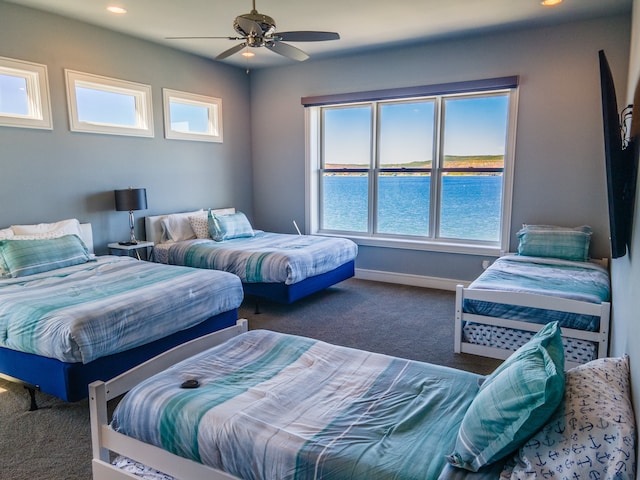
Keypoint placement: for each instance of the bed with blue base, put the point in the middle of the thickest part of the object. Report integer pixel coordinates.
(97, 317)
(264, 405)
(277, 267)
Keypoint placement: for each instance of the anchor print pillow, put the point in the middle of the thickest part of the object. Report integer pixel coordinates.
(591, 435)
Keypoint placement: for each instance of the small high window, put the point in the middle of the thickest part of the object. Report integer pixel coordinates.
(188, 116)
(100, 104)
(24, 95)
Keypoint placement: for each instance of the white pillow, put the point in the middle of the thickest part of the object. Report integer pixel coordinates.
(6, 233)
(41, 236)
(176, 226)
(63, 227)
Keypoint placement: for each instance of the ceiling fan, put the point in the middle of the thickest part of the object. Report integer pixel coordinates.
(259, 30)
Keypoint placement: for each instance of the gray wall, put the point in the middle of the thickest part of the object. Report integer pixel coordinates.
(51, 175)
(559, 168)
(625, 271)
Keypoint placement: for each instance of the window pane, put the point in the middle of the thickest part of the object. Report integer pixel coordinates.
(109, 108)
(14, 99)
(406, 134)
(24, 95)
(344, 202)
(403, 204)
(471, 206)
(475, 131)
(347, 137)
(189, 118)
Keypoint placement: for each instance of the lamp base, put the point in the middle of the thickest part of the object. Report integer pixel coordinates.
(127, 243)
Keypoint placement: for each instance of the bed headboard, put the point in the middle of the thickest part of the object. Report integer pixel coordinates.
(87, 235)
(153, 224)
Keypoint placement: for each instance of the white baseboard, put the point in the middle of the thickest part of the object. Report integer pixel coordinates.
(409, 279)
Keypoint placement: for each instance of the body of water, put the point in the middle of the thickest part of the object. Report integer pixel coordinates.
(470, 206)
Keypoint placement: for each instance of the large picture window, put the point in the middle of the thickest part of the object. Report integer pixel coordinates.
(24, 94)
(430, 171)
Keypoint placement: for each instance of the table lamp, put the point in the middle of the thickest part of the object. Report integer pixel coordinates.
(131, 199)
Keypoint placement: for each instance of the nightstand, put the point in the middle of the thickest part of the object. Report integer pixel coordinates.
(148, 246)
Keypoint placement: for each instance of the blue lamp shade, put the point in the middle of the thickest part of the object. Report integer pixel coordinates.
(129, 200)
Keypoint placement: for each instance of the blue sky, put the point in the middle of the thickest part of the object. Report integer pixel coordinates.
(105, 107)
(13, 95)
(473, 126)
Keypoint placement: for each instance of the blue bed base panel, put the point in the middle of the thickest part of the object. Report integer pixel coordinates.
(69, 381)
(281, 293)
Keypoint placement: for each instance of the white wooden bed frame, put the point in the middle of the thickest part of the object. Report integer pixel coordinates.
(105, 440)
(601, 310)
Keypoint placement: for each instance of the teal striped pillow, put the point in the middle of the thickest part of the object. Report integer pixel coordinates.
(513, 403)
(226, 227)
(557, 242)
(27, 257)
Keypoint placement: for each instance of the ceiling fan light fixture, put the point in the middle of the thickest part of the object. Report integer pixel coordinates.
(248, 54)
(550, 3)
(116, 9)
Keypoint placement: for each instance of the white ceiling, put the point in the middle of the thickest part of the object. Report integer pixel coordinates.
(362, 24)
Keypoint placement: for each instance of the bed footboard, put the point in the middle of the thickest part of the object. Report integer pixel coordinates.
(105, 440)
(601, 310)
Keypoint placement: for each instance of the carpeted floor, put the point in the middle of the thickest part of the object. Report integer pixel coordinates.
(54, 442)
(399, 320)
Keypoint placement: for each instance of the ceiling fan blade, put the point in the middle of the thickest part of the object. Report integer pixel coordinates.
(196, 38)
(231, 51)
(248, 26)
(287, 51)
(307, 36)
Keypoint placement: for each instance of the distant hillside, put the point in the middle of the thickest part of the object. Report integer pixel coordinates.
(451, 161)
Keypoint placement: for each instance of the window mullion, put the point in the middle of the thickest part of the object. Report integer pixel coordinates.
(436, 171)
(374, 170)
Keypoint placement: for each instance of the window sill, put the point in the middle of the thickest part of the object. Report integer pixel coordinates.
(430, 246)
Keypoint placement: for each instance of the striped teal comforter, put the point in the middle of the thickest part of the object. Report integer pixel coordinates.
(584, 281)
(276, 406)
(80, 313)
(266, 257)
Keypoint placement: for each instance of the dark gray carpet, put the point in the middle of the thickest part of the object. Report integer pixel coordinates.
(55, 442)
(399, 320)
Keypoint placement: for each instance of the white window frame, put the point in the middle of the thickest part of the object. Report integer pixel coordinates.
(313, 182)
(140, 92)
(213, 107)
(38, 97)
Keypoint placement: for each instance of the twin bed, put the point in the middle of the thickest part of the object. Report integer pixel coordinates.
(550, 279)
(264, 405)
(68, 317)
(278, 267)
